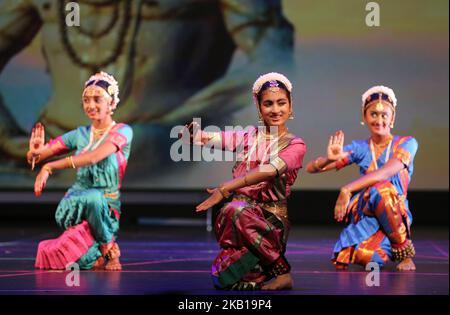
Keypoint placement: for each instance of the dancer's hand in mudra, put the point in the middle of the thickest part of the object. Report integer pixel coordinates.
(215, 197)
(36, 144)
(192, 134)
(41, 181)
(37, 139)
(335, 149)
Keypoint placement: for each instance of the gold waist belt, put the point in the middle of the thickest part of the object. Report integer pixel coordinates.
(278, 208)
(113, 195)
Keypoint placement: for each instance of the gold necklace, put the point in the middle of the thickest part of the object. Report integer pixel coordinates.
(267, 149)
(98, 131)
(93, 139)
(376, 156)
(379, 148)
(270, 136)
(382, 145)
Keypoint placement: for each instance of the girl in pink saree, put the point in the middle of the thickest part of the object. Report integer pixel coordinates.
(252, 228)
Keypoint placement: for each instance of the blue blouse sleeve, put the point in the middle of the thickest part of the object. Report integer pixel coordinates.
(355, 150)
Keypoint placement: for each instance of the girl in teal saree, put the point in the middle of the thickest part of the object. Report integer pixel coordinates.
(89, 213)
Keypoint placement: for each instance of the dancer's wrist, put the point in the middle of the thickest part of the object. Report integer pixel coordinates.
(346, 191)
(224, 192)
(317, 166)
(47, 168)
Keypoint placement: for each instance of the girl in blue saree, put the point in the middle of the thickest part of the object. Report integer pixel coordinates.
(375, 205)
(90, 210)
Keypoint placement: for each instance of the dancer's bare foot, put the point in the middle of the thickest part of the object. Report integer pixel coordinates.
(282, 282)
(113, 258)
(113, 264)
(406, 265)
(99, 264)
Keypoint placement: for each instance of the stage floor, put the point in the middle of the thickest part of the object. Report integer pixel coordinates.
(174, 260)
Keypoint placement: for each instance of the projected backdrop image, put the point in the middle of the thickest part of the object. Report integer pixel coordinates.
(176, 60)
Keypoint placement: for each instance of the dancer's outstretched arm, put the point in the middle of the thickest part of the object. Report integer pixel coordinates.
(84, 159)
(335, 152)
(193, 134)
(201, 137)
(259, 174)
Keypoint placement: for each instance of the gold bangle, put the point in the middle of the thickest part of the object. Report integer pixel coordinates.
(245, 181)
(346, 191)
(47, 169)
(225, 193)
(70, 162)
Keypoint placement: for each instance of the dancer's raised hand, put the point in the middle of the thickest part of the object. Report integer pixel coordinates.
(36, 144)
(335, 149)
(37, 139)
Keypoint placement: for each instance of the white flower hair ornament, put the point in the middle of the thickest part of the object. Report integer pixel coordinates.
(272, 76)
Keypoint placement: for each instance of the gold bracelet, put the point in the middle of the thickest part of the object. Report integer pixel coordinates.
(346, 191)
(225, 193)
(70, 162)
(245, 181)
(47, 169)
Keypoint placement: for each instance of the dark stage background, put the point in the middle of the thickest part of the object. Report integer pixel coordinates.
(177, 208)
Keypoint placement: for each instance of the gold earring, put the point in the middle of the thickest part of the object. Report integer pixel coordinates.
(260, 119)
(291, 116)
